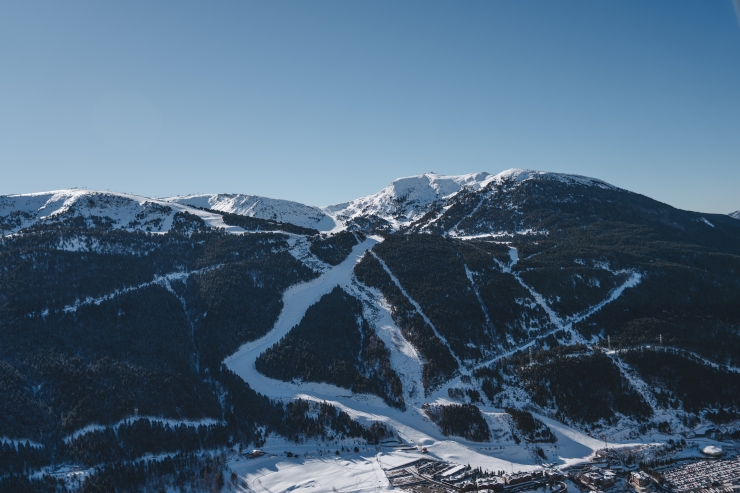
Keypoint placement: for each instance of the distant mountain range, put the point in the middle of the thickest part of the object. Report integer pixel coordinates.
(399, 205)
(215, 315)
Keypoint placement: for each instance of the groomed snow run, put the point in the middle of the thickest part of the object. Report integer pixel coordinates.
(412, 426)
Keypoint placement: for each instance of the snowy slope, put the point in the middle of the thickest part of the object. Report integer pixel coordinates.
(129, 212)
(402, 202)
(285, 211)
(407, 198)
(520, 175)
(471, 204)
(735, 214)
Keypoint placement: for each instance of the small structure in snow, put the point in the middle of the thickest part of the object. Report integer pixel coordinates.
(712, 451)
(255, 453)
(518, 478)
(640, 481)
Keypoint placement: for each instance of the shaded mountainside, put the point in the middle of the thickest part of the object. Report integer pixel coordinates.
(462, 420)
(439, 365)
(99, 324)
(538, 292)
(335, 248)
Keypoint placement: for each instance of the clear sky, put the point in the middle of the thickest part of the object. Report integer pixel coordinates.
(325, 101)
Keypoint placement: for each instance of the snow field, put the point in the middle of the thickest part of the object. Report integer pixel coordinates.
(122, 208)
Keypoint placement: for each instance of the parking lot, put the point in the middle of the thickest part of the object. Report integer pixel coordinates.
(716, 475)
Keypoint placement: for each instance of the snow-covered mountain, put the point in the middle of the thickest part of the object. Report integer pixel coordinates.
(735, 214)
(520, 291)
(520, 175)
(116, 210)
(407, 199)
(284, 211)
(400, 204)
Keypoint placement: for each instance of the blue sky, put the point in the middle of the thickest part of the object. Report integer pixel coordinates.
(323, 101)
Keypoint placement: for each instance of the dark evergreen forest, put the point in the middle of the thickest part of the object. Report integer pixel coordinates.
(98, 324)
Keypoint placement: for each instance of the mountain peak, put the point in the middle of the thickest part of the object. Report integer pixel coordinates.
(407, 198)
(520, 175)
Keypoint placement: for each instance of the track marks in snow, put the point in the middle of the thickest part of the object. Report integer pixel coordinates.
(417, 307)
(469, 273)
(168, 285)
(162, 280)
(153, 419)
(475, 209)
(296, 301)
(405, 360)
(635, 381)
(633, 281)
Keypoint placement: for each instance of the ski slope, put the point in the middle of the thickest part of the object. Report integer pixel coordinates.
(127, 211)
(412, 425)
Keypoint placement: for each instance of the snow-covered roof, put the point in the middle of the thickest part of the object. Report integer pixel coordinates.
(712, 451)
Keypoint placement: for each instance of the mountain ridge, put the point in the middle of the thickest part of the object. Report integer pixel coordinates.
(398, 204)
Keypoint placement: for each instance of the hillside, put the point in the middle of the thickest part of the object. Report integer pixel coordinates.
(437, 308)
(284, 211)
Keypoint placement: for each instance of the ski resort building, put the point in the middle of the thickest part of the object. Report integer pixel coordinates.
(640, 481)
